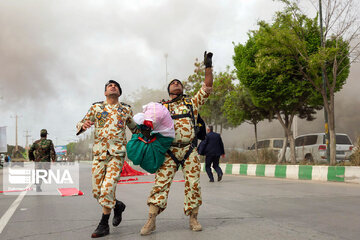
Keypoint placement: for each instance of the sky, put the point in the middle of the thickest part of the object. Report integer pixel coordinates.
(56, 56)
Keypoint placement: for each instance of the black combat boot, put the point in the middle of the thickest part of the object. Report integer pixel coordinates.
(103, 227)
(118, 210)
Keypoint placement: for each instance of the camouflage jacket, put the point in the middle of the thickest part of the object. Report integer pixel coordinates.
(42, 150)
(184, 129)
(110, 123)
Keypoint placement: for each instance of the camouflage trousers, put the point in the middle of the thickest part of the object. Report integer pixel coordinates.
(165, 175)
(105, 176)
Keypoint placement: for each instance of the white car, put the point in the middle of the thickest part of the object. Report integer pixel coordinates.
(312, 147)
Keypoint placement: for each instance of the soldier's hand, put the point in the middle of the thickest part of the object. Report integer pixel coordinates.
(208, 59)
(87, 124)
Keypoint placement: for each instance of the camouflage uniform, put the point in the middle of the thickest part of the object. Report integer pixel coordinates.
(184, 134)
(109, 147)
(42, 152)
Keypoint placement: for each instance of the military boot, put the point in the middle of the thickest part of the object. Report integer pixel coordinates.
(150, 225)
(118, 210)
(194, 224)
(103, 227)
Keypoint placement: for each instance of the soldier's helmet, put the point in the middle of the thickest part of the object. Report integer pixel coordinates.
(168, 88)
(116, 83)
(43, 132)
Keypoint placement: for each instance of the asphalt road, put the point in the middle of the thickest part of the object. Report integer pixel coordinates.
(239, 207)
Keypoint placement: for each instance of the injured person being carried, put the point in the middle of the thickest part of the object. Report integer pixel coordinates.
(149, 147)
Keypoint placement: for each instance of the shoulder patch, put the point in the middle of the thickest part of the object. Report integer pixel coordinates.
(187, 101)
(100, 102)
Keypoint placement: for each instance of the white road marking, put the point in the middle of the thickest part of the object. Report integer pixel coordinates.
(8, 214)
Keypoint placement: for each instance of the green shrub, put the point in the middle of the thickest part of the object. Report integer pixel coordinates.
(267, 156)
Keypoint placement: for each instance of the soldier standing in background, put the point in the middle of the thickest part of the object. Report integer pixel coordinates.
(42, 152)
(110, 119)
(184, 111)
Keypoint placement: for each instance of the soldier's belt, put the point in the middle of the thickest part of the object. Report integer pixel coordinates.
(180, 145)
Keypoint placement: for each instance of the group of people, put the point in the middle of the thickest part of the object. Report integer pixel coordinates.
(110, 119)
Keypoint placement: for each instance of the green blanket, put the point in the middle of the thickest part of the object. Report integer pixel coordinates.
(150, 155)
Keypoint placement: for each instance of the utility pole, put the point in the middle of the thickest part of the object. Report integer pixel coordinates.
(27, 135)
(327, 136)
(16, 132)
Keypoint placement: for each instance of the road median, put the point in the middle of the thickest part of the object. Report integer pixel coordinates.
(348, 174)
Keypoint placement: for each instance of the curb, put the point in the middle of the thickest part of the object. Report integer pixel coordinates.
(348, 174)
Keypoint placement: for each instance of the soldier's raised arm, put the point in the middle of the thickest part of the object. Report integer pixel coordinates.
(208, 70)
(200, 97)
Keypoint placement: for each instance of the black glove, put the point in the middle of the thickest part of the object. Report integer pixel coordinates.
(207, 59)
(145, 130)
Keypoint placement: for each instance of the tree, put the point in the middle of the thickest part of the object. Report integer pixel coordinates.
(223, 83)
(15, 154)
(239, 108)
(270, 73)
(340, 47)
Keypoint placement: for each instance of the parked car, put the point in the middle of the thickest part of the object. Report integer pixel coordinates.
(274, 144)
(312, 147)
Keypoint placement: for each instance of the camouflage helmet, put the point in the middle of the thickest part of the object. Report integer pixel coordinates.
(116, 83)
(168, 88)
(43, 132)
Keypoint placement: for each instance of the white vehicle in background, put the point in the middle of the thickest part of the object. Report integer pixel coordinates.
(312, 147)
(274, 144)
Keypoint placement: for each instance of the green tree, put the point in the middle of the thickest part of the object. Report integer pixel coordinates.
(239, 108)
(271, 74)
(11, 151)
(332, 59)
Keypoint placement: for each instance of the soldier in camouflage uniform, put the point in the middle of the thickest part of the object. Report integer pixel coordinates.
(110, 119)
(42, 152)
(182, 150)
